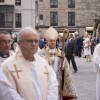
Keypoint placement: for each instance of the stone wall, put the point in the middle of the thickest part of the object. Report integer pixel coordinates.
(86, 11)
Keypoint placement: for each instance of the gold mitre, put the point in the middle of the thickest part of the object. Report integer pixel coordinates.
(51, 34)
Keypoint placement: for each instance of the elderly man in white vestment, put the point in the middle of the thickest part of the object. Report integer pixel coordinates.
(29, 73)
(55, 59)
(5, 46)
(96, 58)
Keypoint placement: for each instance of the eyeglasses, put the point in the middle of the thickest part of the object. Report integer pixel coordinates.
(31, 41)
(6, 41)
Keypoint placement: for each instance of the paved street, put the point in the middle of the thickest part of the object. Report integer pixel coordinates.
(85, 80)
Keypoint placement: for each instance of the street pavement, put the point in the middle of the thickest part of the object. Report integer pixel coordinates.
(85, 79)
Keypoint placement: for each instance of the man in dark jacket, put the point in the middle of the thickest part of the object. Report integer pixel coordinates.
(70, 51)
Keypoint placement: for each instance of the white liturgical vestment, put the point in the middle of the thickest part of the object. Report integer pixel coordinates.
(55, 59)
(33, 80)
(7, 92)
(3, 59)
(53, 56)
(96, 58)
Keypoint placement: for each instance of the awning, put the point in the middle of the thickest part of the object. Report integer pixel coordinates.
(89, 28)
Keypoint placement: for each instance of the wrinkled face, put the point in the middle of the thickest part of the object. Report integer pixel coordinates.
(5, 43)
(29, 43)
(51, 44)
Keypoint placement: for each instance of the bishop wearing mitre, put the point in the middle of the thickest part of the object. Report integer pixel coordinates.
(60, 65)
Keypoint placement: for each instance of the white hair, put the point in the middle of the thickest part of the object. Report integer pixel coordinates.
(26, 30)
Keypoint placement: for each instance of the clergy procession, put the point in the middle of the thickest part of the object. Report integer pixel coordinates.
(32, 68)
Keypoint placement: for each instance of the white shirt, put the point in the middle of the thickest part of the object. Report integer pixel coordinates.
(35, 81)
(53, 82)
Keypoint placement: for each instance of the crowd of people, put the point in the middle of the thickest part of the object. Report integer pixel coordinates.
(34, 68)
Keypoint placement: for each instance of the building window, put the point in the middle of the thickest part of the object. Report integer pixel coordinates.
(41, 0)
(18, 2)
(6, 16)
(71, 18)
(53, 18)
(41, 17)
(18, 20)
(2, 1)
(53, 3)
(71, 3)
(2, 20)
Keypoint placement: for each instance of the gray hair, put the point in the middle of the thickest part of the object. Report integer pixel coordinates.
(26, 30)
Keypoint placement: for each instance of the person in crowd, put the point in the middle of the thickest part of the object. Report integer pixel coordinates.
(97, 38)
(59, 63)
(79, 44)
(14, 42)
(96, 59)
(59, 42)
(87, 48)
(41, 42)
(5, 46)
(92, 42)
(28, 72)
(70, 49)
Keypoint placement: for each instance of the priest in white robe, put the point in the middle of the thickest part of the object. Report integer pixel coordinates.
(96, 58)
(58, 62)
(29, 73)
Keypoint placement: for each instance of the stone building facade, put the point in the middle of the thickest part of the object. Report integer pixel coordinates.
(75, 15)
(15, 14)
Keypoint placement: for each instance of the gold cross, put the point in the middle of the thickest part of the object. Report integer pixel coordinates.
(16, 70)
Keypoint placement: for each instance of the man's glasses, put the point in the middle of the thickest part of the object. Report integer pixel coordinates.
(31, 41)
